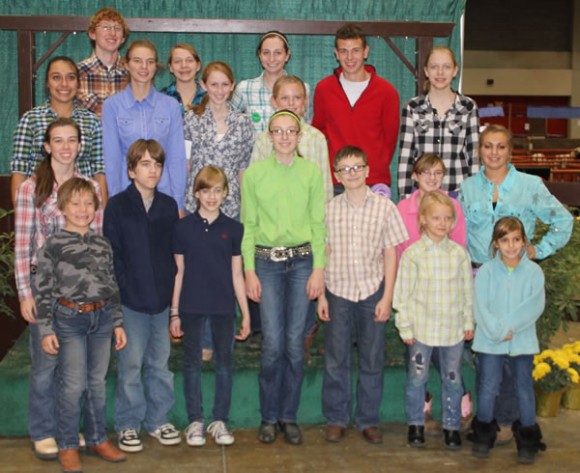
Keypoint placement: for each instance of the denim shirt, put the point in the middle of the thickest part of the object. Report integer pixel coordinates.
(157, 117)
(520, 195)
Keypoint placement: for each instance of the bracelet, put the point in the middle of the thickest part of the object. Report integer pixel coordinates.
(173, 317)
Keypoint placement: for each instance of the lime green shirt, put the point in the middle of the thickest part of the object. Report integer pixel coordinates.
(283, 206)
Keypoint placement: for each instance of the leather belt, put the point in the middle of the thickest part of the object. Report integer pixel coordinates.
(83, 307)
(283, 253)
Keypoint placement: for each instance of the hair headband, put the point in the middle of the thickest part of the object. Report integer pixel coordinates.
(287, 113)
(269, 34)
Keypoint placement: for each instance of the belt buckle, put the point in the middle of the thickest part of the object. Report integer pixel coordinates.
(278, 254)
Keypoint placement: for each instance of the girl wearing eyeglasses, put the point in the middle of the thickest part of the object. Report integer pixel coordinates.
(428, 174)
(284, 252)
(141, 112)
(252, 96)
(440, 121)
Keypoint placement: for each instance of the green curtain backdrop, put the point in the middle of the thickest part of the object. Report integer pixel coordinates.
(312, 57)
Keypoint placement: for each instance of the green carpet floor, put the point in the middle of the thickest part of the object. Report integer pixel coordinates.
(15, 367)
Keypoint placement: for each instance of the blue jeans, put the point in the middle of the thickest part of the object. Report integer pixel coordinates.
(450, 358)
(42, 389)
(144, 382)
(283, 311)
(83, 359)
(491, 368)
(222, 330)
(347, 317)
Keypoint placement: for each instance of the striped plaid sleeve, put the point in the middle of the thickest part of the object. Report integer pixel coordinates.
(406, 153)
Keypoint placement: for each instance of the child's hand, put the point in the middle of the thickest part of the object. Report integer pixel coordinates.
(244, 329)
(120, 338)
(383, 310)
(50, 344)
(469, 335)
(408, 341)
(175, 327)
(322, 309)
(253, 286)
(509, 335)
(315, 284)
(28, 310)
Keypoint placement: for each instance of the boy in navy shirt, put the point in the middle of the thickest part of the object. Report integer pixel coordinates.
(139, 223)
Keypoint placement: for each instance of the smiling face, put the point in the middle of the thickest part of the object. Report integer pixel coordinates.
(210, 199)
(494, 151)
(291, 97)
(64, 145)
(351, 54)
(108, 37)
(352, 172)
(285, 135)
(511, 247)
(79, 212)
(218, 86)
(142, 65)
(62, 82)
(430, 179)
(183, 65)
(273, 55)
(441, 69)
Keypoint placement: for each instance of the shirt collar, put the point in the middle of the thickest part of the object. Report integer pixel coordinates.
(430, 245)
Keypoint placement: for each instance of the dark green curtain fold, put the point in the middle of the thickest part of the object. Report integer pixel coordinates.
(312, 57)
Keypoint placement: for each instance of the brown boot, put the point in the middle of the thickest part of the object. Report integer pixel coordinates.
(70, 460)
(108, 452)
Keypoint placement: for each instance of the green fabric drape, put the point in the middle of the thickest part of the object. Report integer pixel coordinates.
(312, 57)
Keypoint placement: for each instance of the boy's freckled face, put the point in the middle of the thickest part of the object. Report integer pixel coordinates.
(147, 173)
(79, 212)
(353, 179)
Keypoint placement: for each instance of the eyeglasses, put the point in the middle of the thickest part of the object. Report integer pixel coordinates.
(349, 169)
(281, 132)
(432, 173)
(107, 28)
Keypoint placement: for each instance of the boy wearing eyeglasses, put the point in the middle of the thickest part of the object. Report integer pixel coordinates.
(103, 73)
(363, 230)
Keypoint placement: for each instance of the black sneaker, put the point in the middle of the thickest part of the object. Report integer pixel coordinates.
(129, 441)
(452, 439)
(416, 436)
(166, 434)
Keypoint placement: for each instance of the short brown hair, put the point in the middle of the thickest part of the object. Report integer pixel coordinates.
(350, 31)
(107, 14)
(435, 198)
(209, 176)
(504, 226)
(348, 151)
(75, 185)
(428, 161)
(137, 150)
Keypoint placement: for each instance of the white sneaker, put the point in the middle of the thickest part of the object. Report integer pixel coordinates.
(220, 433)
(129, 441)
(166, 434)
(195, 434)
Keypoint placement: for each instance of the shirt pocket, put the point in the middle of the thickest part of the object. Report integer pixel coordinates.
(477, 214)
(422, 125)
(161, 126)
(126, 126)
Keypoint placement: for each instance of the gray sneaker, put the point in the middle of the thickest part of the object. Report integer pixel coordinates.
(220, 433)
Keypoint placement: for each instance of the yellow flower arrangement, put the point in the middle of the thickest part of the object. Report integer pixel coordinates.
(557, 369)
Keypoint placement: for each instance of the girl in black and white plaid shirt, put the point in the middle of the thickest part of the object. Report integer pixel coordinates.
(441, 121)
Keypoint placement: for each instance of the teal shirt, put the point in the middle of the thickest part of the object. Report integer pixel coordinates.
(283, 206)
